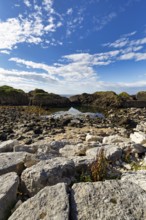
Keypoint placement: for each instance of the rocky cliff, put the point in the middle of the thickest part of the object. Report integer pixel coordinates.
(110, 99)
(100, 100)
(11, 96)
(39, 97)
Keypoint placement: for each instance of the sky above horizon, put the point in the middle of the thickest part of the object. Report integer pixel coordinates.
(73, 46)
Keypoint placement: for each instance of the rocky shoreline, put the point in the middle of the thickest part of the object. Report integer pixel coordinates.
(104, 100)
(50, 167)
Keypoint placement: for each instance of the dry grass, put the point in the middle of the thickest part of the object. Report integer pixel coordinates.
(99, 168)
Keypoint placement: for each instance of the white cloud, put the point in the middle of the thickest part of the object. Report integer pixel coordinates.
(69, 11)
(31, 28)
(125, 41)
(134, 56)
(74, 67)
(100, 23)
(5, 51)
(27, 3)
(130, 34)
(88, 82)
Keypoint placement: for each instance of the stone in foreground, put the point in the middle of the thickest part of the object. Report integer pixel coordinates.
(138, 137)
(51, 203)
(47, 173)
(13, 162)
(7, 146)
(108, 200)
(138, 177)
(8, 191)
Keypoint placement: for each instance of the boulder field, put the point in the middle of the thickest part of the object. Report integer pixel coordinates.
(74, 167)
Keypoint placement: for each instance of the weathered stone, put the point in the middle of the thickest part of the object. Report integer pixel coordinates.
(7, 146)
(39, 97)
(48, 172)
(56, 145)
(138, 137)
(108, 200)
(25, 148)
(14, 162)
(82, 163)
(8, 192)
(138, 148)
(114, 139)
(141, 96)
(90, 138)
(112, 152)
(51, 203)
(138, 177)
(74, 150)
(11, 96)
(92, 153)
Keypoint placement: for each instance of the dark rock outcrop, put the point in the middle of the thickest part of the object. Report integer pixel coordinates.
(39, 97)
(141, 96)
(98, 99)
(11, 96)
(102, 100)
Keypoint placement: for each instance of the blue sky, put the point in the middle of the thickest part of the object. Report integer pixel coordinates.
(73, 46)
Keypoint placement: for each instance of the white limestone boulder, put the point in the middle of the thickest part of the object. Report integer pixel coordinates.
(138, 137)
(92, 153)
(7, 146)
(51, 203)
(118, 200)
(90, 138)
(47, 173)
(8, 193)
(15, 162)
(114, 139)
(138, 177)
(112, 152)
(74, 150)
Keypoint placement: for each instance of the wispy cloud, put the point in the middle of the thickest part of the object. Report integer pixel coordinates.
(69, 11)
(31, 28)
(129, 49)
(125, 41)
(27, 3)
(101, 22)
(5, 51)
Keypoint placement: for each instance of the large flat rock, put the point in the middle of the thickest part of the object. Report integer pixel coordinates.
(47, 173)
(8, 191)
(51, 203)
(13, 162)
(118, 200)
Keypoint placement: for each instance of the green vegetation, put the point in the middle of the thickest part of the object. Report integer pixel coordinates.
(9, 90)
(135, 166)
(107, 99)
(124, 95)
(35, 110)
(101, 169)
(127, 155)
(141, 96)
(85, 177)
(12, 96)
